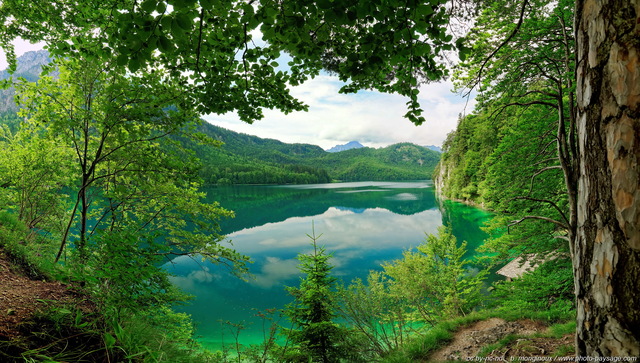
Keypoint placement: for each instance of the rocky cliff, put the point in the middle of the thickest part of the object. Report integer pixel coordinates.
(29, 67)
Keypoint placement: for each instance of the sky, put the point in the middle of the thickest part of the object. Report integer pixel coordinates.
(374, 119)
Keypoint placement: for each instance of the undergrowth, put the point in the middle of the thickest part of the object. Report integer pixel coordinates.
(86, 329)
(560, 320)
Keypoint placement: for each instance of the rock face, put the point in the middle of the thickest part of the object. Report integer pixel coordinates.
(441, 174)
(29, 67)
(348, 146)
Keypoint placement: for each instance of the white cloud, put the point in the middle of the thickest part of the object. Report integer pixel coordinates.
(201, 275)
(372, 118)
(337, 227)
(274, 271)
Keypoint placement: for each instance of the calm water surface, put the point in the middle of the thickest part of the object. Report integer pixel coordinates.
(362, 224)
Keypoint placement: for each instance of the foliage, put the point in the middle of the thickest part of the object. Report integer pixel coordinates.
(102, 135)
(246, 159)
(210, 49)
(125, 178)
(515, 154)
(116, 328)
(33, 173)
(549, 288)
(315, 335)
(435, 278)
(381, 318)
(411, 294)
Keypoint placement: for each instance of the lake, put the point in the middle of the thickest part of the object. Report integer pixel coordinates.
(361, 224)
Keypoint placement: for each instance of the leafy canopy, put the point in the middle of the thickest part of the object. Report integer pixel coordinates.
(226, 54)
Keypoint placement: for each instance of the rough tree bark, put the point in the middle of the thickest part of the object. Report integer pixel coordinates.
(606, 248)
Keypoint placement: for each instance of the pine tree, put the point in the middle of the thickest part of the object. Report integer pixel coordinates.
(315, 335)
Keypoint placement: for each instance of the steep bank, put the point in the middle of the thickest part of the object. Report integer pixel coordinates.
(43, 320)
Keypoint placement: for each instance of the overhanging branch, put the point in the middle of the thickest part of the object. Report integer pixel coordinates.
(551, 220)
(504, 42)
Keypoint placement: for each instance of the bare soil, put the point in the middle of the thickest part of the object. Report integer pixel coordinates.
(469, 342)
(21, 296)
(47, 321)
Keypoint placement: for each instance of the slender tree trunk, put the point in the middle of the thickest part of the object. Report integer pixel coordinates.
(84, 215)
(606, 248)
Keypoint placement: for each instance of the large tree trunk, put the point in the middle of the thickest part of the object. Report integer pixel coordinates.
(606, 248)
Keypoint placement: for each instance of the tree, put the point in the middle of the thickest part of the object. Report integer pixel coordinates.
(515, 154)
(606, 249)
(129, 179)
(209, 47)
(316, 335)
(108, 120)
(597, 152)
(390, 46)
(426, 286)
(435, 279)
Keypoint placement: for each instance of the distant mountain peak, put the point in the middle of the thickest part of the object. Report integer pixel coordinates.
(29, 67)
(348, 146)
(434, 148)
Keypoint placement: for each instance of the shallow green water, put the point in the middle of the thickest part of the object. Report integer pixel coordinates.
(362, 224)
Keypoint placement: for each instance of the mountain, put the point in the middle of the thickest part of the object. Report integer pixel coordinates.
(247, 159)
(29, 67)
(434, 148)
(348, 146)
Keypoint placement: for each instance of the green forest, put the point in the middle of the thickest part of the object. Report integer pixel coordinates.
(103, 158)
(246, 159)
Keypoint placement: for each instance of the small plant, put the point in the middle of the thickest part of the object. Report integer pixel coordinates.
(565, 350)
(270, 329)
(316, 337)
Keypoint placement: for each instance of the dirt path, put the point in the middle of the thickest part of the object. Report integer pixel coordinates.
(21, 296)
(469, 342)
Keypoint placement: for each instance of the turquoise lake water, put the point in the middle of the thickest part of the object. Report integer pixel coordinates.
(362, 224)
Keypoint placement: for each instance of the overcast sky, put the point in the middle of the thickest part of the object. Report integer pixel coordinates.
(372, 118)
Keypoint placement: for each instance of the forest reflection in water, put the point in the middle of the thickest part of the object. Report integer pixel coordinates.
(361, 224)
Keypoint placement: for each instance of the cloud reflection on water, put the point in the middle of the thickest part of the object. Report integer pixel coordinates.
(340, 229)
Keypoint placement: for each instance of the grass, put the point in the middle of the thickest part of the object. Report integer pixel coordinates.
(435, 338)
(24, 249)
(421, 347)
(485, 351)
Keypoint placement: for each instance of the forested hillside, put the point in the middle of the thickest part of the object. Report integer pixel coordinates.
(509, 154)
(247, 159)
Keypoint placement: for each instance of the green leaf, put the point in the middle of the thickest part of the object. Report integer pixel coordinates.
(424, 10)
(324, 4)
(122, 60)
(148, 6)
(161, 7)
(184, 21)
(109, 340)
(134, 64)
(164, 43)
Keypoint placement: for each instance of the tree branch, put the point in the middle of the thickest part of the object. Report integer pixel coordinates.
(553, 204)
(540, 172)
(504, 42)
(560, 224)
